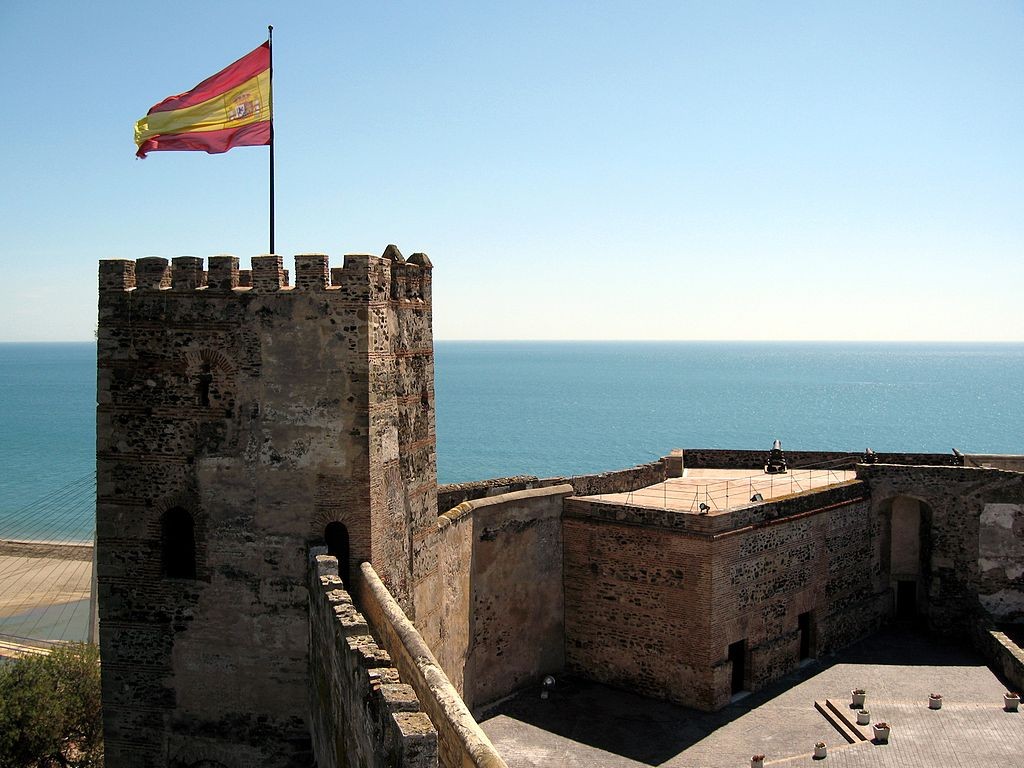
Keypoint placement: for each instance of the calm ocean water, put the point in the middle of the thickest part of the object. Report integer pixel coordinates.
(548, 408)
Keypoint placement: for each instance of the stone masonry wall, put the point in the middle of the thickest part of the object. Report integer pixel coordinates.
(764, 577)
(653, 598)
(492, 613)
(517, 619)
(974, 552)
(362, 714)
(461, 742)
(637, 603)
(248, 411)
(718, 458)
(616, 481)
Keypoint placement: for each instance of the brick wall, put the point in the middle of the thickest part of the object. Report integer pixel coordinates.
(637, 603)
(653, 598)
(361, 712)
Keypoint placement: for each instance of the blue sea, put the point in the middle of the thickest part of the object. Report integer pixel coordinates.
(554, 408)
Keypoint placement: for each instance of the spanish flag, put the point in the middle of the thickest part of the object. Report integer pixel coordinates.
(230, 109)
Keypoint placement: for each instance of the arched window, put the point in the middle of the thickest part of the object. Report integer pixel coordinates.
(203, 383)
(336, 536)
(178, 545)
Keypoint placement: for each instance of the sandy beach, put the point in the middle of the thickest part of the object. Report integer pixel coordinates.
(37, 575)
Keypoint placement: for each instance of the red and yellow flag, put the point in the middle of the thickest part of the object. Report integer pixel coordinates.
(230, 109)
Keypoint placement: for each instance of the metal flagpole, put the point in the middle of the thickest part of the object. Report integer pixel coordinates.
(270, 41)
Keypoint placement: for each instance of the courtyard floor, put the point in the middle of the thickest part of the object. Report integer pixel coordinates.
(585, 725)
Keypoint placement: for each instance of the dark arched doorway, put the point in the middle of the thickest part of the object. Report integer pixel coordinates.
(177, 544)
(336, 536)
(909, 557)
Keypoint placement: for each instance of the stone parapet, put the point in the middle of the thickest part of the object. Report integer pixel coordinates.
(362, 712)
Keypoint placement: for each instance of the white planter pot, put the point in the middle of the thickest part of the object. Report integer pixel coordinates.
(858, 700)
(863, 717)
(820, 751)
(756, 763)
(881, 734)
(934, 703)
(1010, 703)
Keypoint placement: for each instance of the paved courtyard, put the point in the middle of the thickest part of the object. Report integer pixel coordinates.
(593, 726)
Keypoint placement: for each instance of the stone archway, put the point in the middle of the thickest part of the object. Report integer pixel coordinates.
(909, 555)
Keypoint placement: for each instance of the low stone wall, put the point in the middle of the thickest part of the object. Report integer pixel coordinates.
(616, 481)
(461, 742)
(361, 713)
(1004, 655)
(718, 522)
(1013, 463)
(719, 458)
(45, 549)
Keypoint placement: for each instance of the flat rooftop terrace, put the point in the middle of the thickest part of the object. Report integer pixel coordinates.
(586, 725)
(724, 489)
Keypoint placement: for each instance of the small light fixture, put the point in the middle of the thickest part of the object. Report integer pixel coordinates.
(547, 686)
(757, 497)
(704, 508)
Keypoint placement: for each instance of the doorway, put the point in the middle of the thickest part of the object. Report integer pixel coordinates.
(738, 657)
(336, 537)
(906, 600)
(804, 624)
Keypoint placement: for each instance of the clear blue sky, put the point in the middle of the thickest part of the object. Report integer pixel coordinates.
(575, 170)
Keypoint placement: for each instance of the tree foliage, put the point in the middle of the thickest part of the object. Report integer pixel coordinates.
(50, 713)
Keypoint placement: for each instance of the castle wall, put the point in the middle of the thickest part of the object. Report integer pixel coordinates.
(261, 414)
(973, 550)
(725, 458)
(820, 563)
(361, 712)
(494, 617)
(637, 603)
(517, 617)
(461, 742)
(654, 599)
(615, 481)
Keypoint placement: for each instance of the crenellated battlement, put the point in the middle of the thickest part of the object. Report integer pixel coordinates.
(362, 276)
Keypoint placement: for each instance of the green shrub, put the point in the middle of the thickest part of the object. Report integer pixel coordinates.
(50, 710)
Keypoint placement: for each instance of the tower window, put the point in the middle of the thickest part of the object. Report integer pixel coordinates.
(203, 387)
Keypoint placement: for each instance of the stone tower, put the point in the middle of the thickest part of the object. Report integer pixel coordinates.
(241, 420)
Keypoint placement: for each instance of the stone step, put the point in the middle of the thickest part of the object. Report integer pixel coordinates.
(843, 713)
(835, 722)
